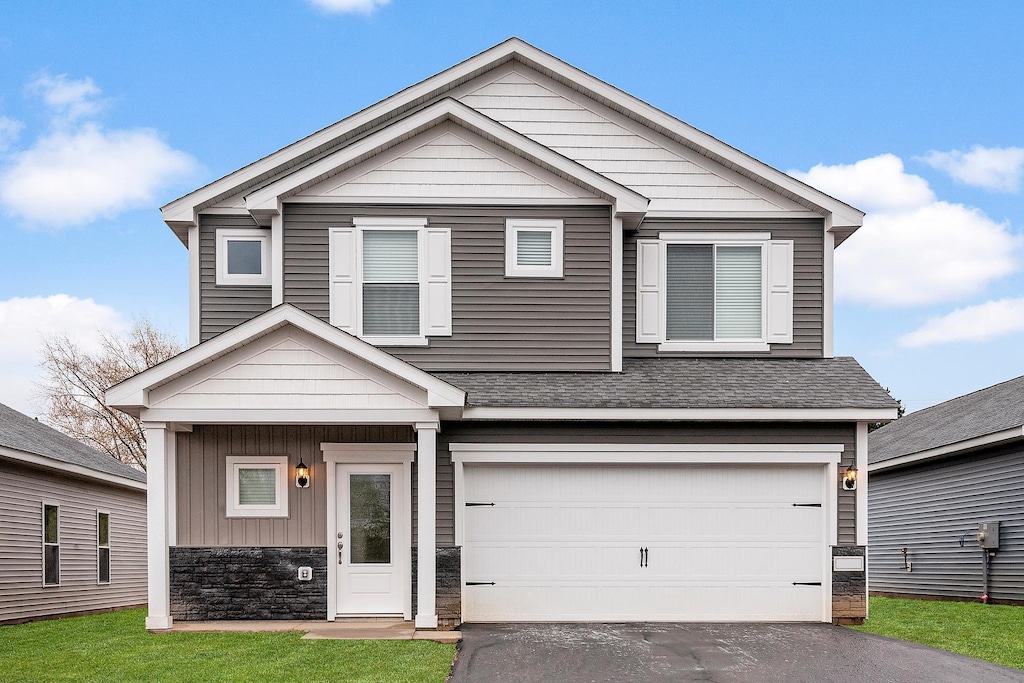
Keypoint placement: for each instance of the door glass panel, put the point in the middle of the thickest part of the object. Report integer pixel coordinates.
(370, 515)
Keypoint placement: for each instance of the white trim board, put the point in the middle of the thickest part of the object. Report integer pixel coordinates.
(641, 454)
(992, 439)
(69, 468)
(683, 414)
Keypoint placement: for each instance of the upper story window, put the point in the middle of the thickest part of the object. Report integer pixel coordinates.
(730, 292)
(391, 280)
(533, 248)
(243, 256)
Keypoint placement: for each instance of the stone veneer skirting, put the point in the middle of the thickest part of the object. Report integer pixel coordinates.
(849, 589)
(449, 586)
(247, 583)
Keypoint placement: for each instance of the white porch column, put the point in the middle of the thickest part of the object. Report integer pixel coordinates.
(426, 525)
(159, 451)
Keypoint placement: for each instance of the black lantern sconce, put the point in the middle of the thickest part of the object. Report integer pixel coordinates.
(850, 478)
(301, 475)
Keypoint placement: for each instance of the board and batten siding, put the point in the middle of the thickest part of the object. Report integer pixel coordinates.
(222, 307)
(808, 284)
(670, 433)
(22, 594)
(926, 508)
(498, 323)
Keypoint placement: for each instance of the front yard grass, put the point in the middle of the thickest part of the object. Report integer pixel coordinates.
(116, 647)
(990, 632)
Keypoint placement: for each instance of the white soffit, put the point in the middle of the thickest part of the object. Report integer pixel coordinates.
(183, 212)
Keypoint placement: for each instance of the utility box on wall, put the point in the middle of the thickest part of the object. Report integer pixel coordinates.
(988, 535)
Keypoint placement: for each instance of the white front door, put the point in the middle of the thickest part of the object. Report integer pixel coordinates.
(372, 540)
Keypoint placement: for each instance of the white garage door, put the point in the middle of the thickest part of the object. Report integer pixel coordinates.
(644, 543)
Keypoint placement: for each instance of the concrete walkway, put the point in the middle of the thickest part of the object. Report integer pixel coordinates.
(348, 629)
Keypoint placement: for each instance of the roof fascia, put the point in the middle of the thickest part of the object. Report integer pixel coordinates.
(183, 212)
(993, 439)
(132, 394)
(266, 201)
(684, 414)
(70, 468)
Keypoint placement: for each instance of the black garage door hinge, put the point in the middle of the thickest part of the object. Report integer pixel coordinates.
(479, 583)
(477, 505)
(807, 583)
(807, 505)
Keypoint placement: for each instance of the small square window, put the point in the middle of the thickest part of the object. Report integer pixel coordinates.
(256, 486)
(243, 257)
(533, 248)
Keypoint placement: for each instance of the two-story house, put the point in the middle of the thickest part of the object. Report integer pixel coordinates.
(509, 345)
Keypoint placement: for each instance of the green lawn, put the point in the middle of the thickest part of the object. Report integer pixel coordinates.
(116, 647)
(991, 632)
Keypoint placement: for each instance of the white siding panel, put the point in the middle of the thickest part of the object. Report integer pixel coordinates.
(582, 134)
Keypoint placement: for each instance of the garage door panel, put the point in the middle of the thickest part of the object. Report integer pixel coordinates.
(723, 543)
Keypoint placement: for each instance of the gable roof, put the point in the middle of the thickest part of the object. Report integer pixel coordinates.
(21, 436)
(980, 418)
(684, 383)
(183, 212)
(133, 394)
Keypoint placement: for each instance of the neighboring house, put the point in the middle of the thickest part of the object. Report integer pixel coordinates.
(72, 525)
(608, 335)
(937, 475)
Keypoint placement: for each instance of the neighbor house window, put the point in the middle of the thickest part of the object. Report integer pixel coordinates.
(533, 248)
(715, 291)
(391, 280)
(103, 547)
(257, 486)
(243, 257)
(51, 545)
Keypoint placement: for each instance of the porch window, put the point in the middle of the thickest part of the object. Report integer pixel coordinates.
(257, 486)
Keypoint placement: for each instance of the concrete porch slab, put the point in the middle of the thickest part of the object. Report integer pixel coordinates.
(348, 629)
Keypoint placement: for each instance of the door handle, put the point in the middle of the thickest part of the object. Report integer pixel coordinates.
(643, 556)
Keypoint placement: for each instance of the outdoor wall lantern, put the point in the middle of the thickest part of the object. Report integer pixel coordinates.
(301, 475)
(850, 478)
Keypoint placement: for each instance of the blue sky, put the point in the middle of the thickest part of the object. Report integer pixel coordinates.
(912, 111)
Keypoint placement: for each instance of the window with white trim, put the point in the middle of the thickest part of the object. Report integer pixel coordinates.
(51, 544)
(257, 486)
(715, 292)
(391, 280)
(243, 256)
(533, 248)
(102, 547)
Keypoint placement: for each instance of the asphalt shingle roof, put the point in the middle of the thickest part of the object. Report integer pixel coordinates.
(22, 433)
(981, 412)
(682, 383)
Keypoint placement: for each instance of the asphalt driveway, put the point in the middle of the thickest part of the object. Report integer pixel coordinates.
(723, 653)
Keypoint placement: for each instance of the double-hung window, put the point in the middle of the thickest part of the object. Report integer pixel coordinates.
(103, 547)
(390, 280)
(730, 292)
(51, 544)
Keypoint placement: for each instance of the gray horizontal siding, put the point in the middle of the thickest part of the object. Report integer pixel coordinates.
(498, 323)
(704, 433)
(928, 507)
(224, 307)
(22, 595)
(808, 278)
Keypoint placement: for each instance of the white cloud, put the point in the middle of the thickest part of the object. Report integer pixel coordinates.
(68, 99)
(974, 323)
(349, 6)
(912, 249)
(993, 168)
(77, 177)
(23, 324)
(9, 132)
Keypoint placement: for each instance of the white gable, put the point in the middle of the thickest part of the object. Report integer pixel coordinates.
(446, 162)
(288, 370)
(673, 177)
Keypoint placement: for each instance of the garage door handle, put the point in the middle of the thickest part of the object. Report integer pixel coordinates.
(807, 583)
(479, 583)
(478, 505)
(643, 557)
(807, 505)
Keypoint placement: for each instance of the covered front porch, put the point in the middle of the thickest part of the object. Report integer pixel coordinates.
(235, 529)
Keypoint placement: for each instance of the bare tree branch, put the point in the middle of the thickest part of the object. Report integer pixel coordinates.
(74, 384)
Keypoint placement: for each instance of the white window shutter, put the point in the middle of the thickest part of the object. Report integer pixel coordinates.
(436, 282)
(649, 295)
(780, 292)
(344, 285)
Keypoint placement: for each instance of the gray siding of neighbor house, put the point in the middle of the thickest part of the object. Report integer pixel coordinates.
(498, 323)
(22, 594)
(927, 507)
(223, 307)
(682, 433)
(808, 279)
